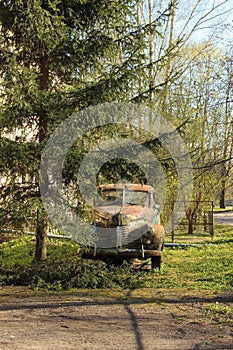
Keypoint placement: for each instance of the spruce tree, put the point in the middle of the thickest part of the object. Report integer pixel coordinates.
(55, 57)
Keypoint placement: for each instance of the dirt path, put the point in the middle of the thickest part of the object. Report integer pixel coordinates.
(113, 320)
(224, 218)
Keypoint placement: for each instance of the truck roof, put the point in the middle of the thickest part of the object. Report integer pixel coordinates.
(129, 186)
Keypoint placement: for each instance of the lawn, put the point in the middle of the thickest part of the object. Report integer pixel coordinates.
(205, 267)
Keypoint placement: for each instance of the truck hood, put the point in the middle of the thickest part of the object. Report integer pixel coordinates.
(128, 211)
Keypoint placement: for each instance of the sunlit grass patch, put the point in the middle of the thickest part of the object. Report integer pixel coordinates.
(205, 267)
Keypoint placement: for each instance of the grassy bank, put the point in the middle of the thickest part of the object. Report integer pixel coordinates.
(208, 267)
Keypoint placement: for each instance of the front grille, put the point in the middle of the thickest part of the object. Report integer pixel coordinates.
(117, 237)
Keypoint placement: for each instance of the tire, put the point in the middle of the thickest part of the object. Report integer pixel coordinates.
(156, 262)
(118, 262)
(113, 261)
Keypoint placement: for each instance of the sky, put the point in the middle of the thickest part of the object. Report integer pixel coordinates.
(214, 23)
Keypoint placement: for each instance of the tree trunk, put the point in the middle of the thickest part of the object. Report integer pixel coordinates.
(169, 61)
(222, 196)
(224, 174)
(42, 220)
(189, 215)
(190, 225)
(41, 236)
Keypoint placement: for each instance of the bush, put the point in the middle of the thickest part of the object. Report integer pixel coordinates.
(71, 274)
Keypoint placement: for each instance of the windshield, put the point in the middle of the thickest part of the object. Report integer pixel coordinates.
(130, 197)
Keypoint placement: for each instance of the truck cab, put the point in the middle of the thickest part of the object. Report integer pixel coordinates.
(126, 222)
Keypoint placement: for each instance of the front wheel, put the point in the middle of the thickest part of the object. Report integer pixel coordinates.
(156, 262)
(113, 261)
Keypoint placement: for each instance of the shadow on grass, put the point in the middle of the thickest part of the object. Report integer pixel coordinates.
(127, 300)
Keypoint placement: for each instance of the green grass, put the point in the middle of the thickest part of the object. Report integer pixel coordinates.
(225, 210)
(208, 267)
(222, 233)
(20, 251)
(218, 312)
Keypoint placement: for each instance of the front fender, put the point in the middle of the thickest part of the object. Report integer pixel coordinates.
(156, 237)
